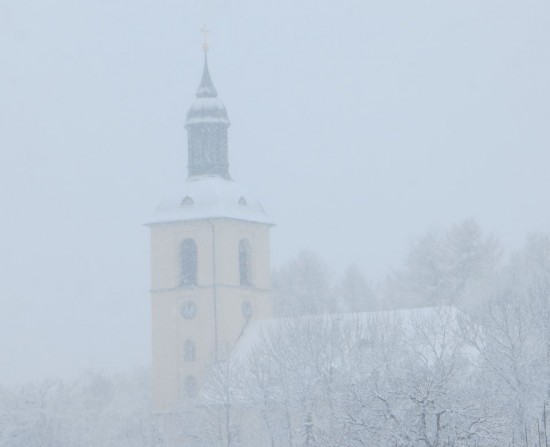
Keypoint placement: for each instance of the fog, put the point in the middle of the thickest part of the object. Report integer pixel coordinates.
(359, 125)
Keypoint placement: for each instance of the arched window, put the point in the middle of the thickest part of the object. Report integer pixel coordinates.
(187, 201)
(244, 263)
(190, 387)
(189, 263)
(189, 352)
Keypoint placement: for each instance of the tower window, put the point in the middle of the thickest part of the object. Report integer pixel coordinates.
(190, 387)
(189, 265)
(244, 262)
(242, 201)
(189, 352)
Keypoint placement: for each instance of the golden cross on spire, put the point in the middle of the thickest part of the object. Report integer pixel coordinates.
(205, 32)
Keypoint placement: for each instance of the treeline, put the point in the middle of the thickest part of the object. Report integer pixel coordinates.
(457, 266)
(94, 410)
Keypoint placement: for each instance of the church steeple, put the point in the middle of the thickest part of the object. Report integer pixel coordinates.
(206, 125)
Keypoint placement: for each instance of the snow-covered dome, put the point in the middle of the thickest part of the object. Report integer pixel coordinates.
(211, 197)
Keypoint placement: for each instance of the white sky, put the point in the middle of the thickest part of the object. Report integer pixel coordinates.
(359, 124)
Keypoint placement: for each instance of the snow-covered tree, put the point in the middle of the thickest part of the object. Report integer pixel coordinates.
(511, 334)
(354, 292)
(455, 267)
(470, 261)
(302, 287)
(93, 410)
(412, 388)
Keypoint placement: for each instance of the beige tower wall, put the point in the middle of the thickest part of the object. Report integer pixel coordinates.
(218, 296)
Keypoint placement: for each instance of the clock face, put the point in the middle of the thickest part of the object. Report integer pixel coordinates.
(247, 309)
(189, 310)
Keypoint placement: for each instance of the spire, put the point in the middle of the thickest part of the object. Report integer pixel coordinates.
(206, 88)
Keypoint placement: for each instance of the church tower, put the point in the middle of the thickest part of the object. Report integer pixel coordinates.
(210, 273)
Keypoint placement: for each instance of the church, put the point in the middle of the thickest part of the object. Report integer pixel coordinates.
(225, 369)
(210, 261)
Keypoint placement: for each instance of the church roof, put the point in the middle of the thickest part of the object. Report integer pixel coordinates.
(209, 197)
(350, 334)
(405, 320)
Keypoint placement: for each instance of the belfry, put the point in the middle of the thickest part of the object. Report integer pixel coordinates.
(210, 268)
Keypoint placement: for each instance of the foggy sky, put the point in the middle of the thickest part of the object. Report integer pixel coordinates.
(358, 124)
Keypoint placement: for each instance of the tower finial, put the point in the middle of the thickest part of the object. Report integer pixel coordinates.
(205, 32)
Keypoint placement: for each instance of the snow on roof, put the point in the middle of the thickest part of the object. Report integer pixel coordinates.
(428, 331)
(207, 197)
(403, 319)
